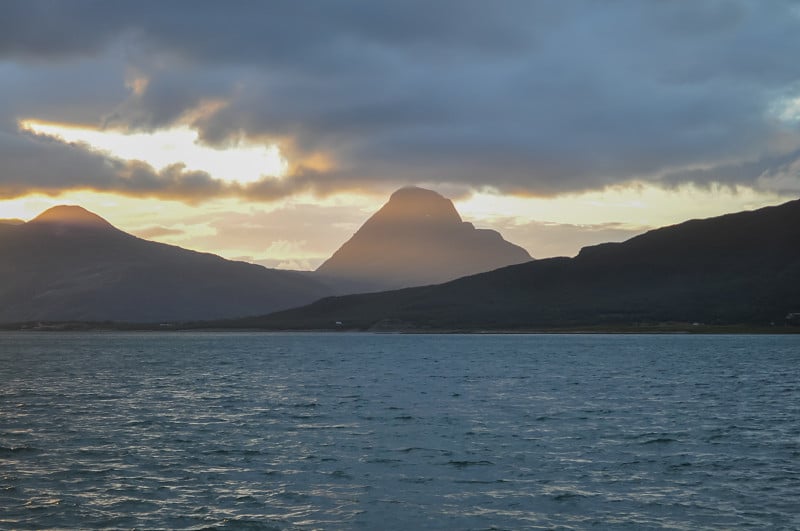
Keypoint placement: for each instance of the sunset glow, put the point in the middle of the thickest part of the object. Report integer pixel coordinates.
(634, 206)
(272, 148)
(240, 163)
(557, 226)
(399, 265)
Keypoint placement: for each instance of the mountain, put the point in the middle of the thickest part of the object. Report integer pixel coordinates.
(741, 268)
(417, 238)
(64, 218)
(70, 264)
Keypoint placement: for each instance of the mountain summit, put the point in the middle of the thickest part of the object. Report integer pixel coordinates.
(412, 204)
(418, 238)
(71, 216)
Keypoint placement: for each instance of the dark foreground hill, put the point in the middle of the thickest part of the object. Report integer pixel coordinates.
(738, 268)
(416, 238)
(69, 264)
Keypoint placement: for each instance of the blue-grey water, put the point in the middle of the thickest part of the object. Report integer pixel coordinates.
(348, 431)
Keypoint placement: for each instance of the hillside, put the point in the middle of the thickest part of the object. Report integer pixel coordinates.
(70, 264)
(737, 268)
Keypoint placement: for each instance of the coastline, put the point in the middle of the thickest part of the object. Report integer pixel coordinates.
(632, 329)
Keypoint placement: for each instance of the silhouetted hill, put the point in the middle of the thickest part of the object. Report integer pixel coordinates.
(70, 264)
(67, 217)
(417, 238)
(738, 268)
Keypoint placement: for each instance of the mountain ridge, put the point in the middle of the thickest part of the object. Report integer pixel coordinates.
(68, 263)
(737, 268)
(71, 264)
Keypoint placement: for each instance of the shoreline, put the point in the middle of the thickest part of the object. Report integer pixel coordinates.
(637, 329)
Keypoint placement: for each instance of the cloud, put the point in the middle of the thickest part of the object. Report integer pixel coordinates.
(157, 231)
(530, 98)
(256, 232)
(547, 239)
(778, 173)
(41, 164)
(293, 236)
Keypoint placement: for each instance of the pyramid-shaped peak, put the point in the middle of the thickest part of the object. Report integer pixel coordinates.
(414, 204)
(71, 216)
(418, 238)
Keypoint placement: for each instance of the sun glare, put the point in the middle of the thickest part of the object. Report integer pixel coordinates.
(242, 163)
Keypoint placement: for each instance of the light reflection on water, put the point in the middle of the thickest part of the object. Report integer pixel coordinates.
(341, 431)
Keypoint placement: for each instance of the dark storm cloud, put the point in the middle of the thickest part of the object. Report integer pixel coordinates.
(530, 97)
(38, 164)
(741, 173)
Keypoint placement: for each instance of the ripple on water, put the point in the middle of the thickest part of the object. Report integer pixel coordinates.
(340, 431)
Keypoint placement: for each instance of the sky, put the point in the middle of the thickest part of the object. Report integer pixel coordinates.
(270, 131)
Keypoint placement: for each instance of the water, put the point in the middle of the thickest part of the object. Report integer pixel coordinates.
(345, 431)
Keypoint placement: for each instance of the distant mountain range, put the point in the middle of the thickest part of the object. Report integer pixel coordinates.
(417, 238)
(69, 264)
(737, 268)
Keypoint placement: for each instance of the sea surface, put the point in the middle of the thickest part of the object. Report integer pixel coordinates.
(380, 432)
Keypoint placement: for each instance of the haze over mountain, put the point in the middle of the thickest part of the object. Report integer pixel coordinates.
(737, 268)
(417, 238)
(70, 264)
